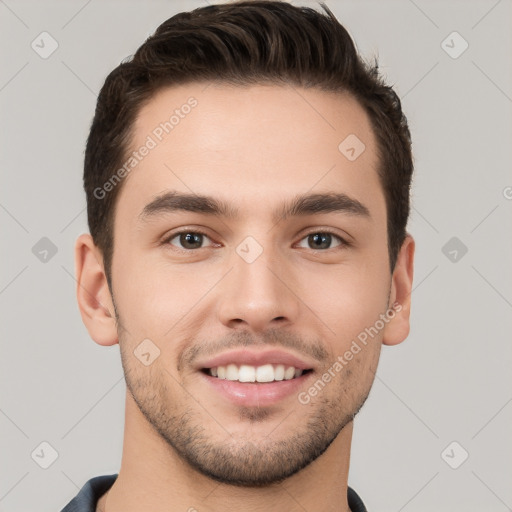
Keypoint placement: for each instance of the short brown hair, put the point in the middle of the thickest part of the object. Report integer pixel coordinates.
(244, 43)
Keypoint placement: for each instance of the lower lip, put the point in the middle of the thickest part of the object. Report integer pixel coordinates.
(256, 394)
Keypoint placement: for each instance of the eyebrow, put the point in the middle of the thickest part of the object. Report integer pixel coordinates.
(301, 205)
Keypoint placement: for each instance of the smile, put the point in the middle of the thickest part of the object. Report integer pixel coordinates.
(249, 373)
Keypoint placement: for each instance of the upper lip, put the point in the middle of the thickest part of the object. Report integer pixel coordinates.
(255, 358)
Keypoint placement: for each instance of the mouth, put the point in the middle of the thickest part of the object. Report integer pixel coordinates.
(263, 374)
(256, 378)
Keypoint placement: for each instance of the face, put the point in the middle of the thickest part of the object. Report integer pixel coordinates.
(250, 254)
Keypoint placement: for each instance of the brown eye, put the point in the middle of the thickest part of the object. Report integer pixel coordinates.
(188, 240)
(322, 240)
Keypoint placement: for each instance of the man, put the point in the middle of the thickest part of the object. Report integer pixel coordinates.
(247, 182)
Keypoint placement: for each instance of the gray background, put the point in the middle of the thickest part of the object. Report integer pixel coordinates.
(450, 381)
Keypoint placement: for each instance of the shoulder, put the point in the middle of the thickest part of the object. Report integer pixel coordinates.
(354, 501)
(90, 493)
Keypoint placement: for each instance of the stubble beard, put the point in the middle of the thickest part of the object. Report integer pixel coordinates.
(237, 460)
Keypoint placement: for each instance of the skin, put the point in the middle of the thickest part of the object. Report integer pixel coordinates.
(256, 148)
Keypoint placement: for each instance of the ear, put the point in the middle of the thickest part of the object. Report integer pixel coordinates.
(397, 329)
(93, 295)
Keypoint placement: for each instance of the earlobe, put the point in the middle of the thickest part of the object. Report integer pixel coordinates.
(93, 295)
(398, 327)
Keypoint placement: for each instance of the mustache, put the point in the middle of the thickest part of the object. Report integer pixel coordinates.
(273, 337)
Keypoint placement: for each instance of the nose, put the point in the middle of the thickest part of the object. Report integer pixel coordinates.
(258, 295)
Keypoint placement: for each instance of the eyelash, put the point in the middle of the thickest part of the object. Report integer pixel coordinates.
(343, 243)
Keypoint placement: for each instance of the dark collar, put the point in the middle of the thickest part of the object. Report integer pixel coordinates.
(91, 492)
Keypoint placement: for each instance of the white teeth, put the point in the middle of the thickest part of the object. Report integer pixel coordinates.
(279, 372)
(247, 373)
(289, 373)
(231, 372)
(265, 373)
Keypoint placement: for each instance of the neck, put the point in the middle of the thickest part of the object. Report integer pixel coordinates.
(153, 477)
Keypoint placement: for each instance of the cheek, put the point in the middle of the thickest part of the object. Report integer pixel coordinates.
(348, 299)
(138, 288)
(157, 300)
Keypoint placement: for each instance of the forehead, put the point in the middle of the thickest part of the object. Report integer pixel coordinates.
(252, 146)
